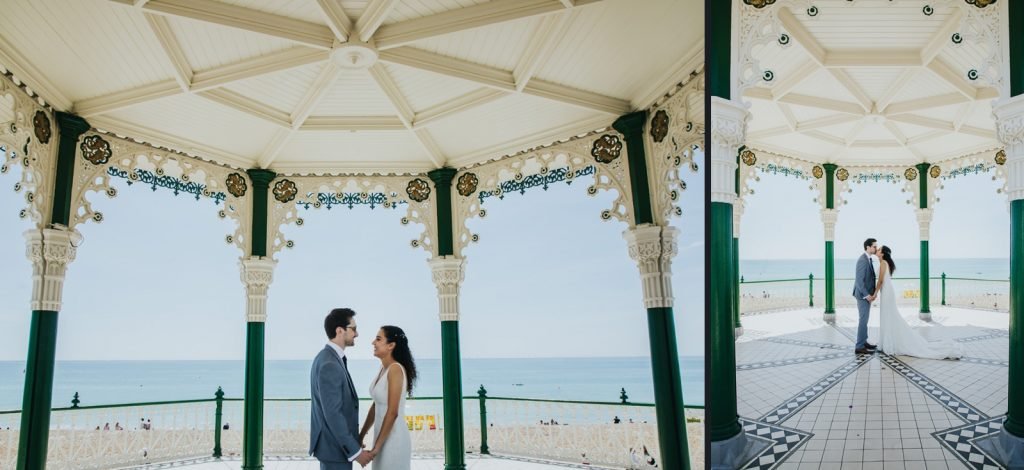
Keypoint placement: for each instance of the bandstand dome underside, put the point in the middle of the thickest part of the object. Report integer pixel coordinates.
(380, 86)
(870, 82)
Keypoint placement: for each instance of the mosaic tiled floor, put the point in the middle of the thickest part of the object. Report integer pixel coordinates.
(423, 462)
(801, 386)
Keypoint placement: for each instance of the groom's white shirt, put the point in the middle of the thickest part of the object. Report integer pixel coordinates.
(341, 357)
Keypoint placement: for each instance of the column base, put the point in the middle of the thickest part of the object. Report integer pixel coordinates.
(454, 467)
(1005, 448)
(829, 317)
(925, 316)
(739, 331)
(735, 451)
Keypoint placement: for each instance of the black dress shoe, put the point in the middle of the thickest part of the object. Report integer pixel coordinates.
(870, 346)
(862, 351)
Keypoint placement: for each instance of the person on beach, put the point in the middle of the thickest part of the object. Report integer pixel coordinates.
(392, 444)
(334, 421)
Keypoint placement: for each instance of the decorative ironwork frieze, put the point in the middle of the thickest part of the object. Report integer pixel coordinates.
(156, 180)
(910, 174)
(748, 157)
(606, 149)
(43, 130)
(418, 190)
(96, 150)
(659, 126)
(543, 181)
(467, 184)
(1001, 157)
(842, 174)
(975, 169)
(935, 171)
(818, 172)
(285, 190)
(775, 169)
(350, 200)
(236, 184)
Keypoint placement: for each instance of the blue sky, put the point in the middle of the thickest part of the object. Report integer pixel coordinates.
(548, 278)
(971, 220)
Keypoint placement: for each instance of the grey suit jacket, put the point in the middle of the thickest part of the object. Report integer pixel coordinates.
(334, 425)
(864, 283)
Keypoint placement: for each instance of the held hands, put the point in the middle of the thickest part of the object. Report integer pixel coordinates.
(365, 457)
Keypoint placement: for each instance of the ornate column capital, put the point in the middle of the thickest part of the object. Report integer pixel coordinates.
(653, 247)
(1009, 114)
(924, 222)
(829, 218)
(257, 274)
(448, 273)
(50, 250)
(728, 132)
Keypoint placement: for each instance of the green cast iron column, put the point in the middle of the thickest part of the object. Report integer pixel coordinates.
(722, 417)
(830, 251)
(736, 282)
(252, 429)
(451, 357)
(922, 174)
(42, 340)
(668, 382)
(1014, 423)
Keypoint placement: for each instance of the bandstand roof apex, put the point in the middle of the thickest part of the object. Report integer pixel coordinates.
(309, 87)
(868, 83)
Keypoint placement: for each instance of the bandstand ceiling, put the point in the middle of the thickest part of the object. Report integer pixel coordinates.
(872, 82)
(310, 86)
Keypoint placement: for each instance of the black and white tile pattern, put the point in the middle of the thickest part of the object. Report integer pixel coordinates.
(948, 399)
(961, 441)
(787, 362)
(810, 344)
(807, 395)
(783, 442)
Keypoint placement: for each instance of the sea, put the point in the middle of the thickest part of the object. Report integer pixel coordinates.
(580, 379)
(980, 268)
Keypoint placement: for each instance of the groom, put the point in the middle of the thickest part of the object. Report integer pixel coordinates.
(864, 291)
(334, 426)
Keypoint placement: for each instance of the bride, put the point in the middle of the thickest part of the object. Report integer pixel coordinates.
(897, 338)
(392, 444)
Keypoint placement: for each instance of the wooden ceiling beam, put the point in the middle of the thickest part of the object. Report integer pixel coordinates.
(337, 20)
(373, 17)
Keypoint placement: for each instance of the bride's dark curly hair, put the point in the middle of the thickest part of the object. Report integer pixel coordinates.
(402, 354)
(887, 257)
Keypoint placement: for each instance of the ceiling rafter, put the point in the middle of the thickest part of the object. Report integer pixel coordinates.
(502, 79)
(248, 106)
(922, 121)
(822, 103)
(314, 94)
(172, 49)
(162, 139)
(403, 33)
(787, 114)
(540, 138)
(784, 86)
(211, 11)
(802, 36)
(919, 104)
(542, 44)
(772, 132)
(456, 105)
(896, 133)
(201, 80)
(373, 17)
(890, 94)
(853, 88)
(35, 79)
(826, 121)
(406, 114)
(353, 123)
(337, 19)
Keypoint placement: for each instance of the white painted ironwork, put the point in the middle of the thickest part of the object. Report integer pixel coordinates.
(21, 147)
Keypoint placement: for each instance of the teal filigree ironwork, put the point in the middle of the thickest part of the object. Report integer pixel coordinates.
(878, 177)
(783, 170)
(975, 169)
(350, 200)
(542, 180)
(176, 185)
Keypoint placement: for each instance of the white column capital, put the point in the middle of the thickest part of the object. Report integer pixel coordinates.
(924, 222)
(50, 250)
(653, 247)
(1009, 114)
(448, 273)
(257, 274)
(828, 219)
(728, 132)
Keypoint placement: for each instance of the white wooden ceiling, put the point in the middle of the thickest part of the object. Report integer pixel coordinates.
(872, 82)
(252, 83)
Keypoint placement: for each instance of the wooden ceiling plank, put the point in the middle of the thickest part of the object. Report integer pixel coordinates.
(826, 121)
(373, 16)
(314, 94)
(454, 106)
(337, 20)
(977, 131)
(874, 58)
(896, 133)
(172, 49)
(577, 97)
(766, 133)
(484, 14)
(540, 138)
(787, 114)
(387, 85)
(353, 123)
(431, 147)
(946, 73)
(549, 34)
(901, 82)
(942, 37)
(35, 79)
(249, 106)
(257, 66)
(922, 121)
(210, 11)
(277, 144)
(924, 103)
(122, 99)
(822, 103)
(786, 85)
(162, 139)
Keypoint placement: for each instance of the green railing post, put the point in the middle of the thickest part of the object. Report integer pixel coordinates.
(624, 397)
(483, 420)
(810, 294)
(943, 288)
(75, 401)
(217, 420)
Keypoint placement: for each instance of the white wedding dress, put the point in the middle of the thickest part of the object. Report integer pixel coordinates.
(396, 453)
(897, 338)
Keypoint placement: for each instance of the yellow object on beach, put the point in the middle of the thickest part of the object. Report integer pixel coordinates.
(417, 422)
(911, 293)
